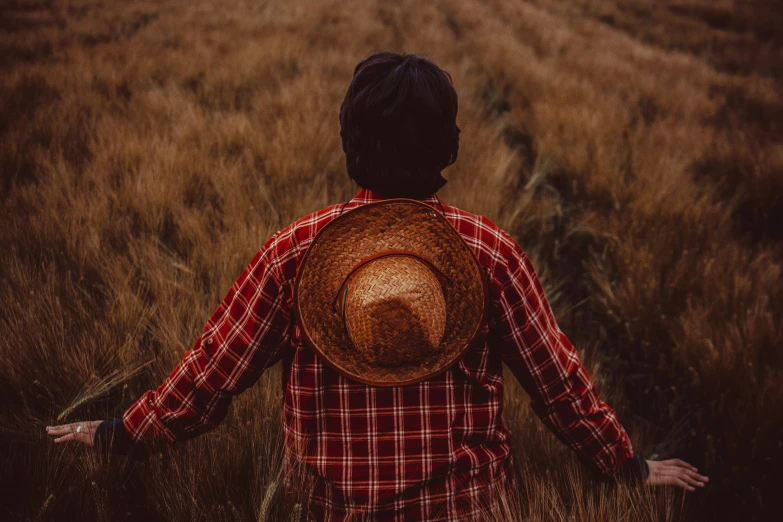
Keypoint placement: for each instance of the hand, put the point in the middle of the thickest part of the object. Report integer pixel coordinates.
(83, 431)
(674, 472)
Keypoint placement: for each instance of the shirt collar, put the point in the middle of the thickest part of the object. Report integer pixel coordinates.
(367, 196)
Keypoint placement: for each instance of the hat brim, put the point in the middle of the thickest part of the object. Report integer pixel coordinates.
(390, 224)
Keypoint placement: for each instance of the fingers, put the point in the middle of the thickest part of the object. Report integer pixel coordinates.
(685, 478)
(83, 437)
(686, 473)
(695, 476)
(679, 482)
(63, 428)
(691, 481)
(68, 432)
(680, 463)
(676, 472)
(66, 437)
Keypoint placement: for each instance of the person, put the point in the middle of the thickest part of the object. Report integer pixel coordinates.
(422, 450)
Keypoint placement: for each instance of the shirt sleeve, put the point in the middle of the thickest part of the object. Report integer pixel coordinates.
(245, 335)
(547, 366)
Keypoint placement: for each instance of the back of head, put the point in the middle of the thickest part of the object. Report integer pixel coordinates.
(398, 125)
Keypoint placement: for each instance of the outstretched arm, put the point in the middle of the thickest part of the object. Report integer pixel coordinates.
(245, 335)
(562, 394)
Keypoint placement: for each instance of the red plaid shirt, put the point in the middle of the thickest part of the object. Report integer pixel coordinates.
(426, 451)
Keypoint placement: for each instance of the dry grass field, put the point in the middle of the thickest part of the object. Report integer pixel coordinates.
(633, 148)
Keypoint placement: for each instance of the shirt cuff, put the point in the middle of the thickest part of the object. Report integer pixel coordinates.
(111, 437)
(633, 471)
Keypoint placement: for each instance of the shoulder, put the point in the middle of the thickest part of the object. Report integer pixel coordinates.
(495, 248)
(285, 248)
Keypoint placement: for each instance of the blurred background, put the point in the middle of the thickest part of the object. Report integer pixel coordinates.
(633, 149)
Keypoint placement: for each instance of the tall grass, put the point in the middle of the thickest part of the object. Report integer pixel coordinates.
(148, 149)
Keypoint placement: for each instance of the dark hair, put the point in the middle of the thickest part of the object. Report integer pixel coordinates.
(398, 123)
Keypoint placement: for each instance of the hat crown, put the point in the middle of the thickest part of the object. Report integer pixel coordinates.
(395, 310)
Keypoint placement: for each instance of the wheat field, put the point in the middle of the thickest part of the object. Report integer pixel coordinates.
(633, 148)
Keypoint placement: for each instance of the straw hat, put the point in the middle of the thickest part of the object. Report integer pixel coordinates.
(389, 293)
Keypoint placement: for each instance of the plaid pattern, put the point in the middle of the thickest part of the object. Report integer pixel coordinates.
(426, 451)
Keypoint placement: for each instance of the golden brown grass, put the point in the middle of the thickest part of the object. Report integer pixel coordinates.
(633, 148)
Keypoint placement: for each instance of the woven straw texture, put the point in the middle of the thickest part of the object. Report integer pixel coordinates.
(391, 224)
(405, 293)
